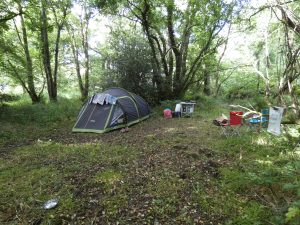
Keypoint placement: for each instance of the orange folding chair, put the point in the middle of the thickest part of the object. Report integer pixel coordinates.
(232, 127)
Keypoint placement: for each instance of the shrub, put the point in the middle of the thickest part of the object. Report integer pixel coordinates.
(8, 97)
(24, 112)
(259, 103)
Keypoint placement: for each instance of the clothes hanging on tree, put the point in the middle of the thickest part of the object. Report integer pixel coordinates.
(275, 120)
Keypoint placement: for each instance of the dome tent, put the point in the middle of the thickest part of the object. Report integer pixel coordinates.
(117, 109)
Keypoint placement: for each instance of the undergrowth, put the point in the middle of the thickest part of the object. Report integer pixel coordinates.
(21, 120)
(178, 171)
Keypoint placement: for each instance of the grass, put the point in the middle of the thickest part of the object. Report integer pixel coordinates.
(178, 171)
(22, 122)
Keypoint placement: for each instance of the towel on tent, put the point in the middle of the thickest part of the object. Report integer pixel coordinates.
(275, 120)
(103, 99)
(110, 99)
(98, 99)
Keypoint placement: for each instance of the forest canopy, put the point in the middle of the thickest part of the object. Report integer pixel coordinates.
(160, 49)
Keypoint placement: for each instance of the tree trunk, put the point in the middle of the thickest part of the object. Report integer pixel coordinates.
(83, 80)
(77, 64)
(85, 45)
(206, 88)
(217, 81)
(257, 84)
(46, 54)
(174, 71)
(29, 69)
(156, 69)
(177, 80)
(295, 101)
(291, 73)
(56, 64)
(56, 50)
(268, 65)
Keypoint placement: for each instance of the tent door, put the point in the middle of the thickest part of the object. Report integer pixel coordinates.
(118, 117)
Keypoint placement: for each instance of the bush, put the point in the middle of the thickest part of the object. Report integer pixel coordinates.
(239, 93)
(42, 114)
(291, 117)
(8, 97)
(259, 103)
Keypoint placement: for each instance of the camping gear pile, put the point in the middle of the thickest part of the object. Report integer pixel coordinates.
(269, 118)
(114, 108)
(182, 109)
(167, 113)
(187, 109)
(231, 126)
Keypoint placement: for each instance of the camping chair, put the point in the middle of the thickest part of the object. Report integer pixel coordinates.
(253, 120)
(234, 124)
(258, 120)
(265, 117)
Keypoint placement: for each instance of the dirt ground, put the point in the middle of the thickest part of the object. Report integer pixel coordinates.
(174, 161)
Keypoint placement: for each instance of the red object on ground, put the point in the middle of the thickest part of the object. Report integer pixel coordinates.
(236, 118)
(168, 113)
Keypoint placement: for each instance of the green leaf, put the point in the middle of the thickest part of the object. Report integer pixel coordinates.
(290, 186)
(292, 213)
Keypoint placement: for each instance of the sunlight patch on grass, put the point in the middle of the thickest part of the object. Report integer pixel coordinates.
(262, 141)
(294, 131)
(151, 136)
(192, 128)
(170, 130)
(290, 155)
(109, 177)
(264, 162)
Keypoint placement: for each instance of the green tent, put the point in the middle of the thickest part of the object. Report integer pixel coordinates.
(112, 109)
